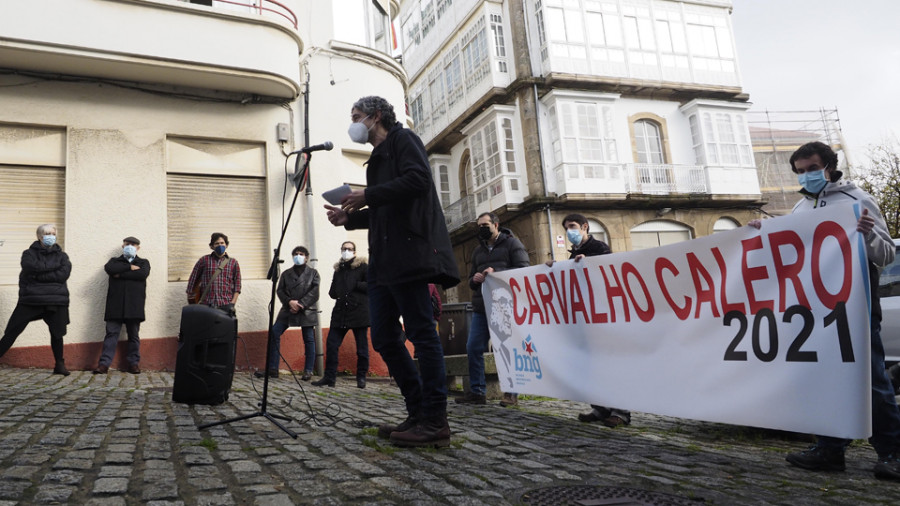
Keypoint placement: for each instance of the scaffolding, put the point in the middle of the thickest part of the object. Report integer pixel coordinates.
(775, 135)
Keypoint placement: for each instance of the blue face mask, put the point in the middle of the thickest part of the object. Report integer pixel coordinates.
(220, 250)
(812, 181)
(129, 251)
(48, 240)
(299, 259)
(574, 236)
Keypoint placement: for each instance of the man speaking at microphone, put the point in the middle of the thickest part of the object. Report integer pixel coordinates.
(409, 247)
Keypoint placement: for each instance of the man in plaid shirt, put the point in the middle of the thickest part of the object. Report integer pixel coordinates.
(223, 294)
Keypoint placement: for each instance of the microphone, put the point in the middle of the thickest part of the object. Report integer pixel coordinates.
(325, 146)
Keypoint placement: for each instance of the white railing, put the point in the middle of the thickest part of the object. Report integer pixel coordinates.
(460, 212)
(637, 178)
(663, 178)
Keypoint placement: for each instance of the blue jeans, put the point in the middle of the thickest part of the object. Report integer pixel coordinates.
(476, 345)
(424, 389)
(885, 415)
(309, 346)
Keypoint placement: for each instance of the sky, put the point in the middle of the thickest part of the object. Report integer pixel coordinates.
(811, 54)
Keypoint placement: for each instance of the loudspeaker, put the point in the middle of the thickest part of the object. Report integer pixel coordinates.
(204, 366)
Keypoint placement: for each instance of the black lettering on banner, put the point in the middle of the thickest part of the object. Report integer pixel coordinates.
(731, 353)
(765, 314)
(839, 314)
(794, 353)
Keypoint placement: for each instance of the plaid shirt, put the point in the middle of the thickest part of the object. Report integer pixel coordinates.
(226, 284)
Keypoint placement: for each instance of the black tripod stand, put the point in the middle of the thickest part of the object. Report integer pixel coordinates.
(301, 174)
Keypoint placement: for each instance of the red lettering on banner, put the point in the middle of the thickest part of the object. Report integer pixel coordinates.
(703, 294)
(664, 263)
(824, 230)
(561, 295)
(788, 272)
(515, 288)
(577, 299)
(727, 307)
(751, 274)
(615, 291)
(541, 280)
(533, 306)
(595, 316)
(630, 270)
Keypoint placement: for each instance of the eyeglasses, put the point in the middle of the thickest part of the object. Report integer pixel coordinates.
(347, 249)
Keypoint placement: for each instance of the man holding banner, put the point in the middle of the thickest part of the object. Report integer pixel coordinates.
(498, 250)
(815, 164)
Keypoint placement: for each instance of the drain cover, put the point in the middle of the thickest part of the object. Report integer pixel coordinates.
(596, 496)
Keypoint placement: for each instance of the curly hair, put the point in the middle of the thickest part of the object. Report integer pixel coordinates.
(372, 104)
(826, 154)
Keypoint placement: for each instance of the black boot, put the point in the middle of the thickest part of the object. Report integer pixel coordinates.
(433, 431)
(360, 382)
(324, 382)
(818, 458)
(385, 430)
(61, 368)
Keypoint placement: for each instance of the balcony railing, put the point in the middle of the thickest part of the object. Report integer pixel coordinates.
(261, 7)
(642, 178)
(460, 212)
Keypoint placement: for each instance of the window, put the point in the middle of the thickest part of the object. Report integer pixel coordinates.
(508, 146)
(230, 198)
(417, 113)
(23, 213)
(452, 77)
(649, 142)
(725, 224)
(474, 53)
(428, 17)
(32, 191)
(725, 137)
(596, 230)
(586, 132)
(443, 179)
(499, 44)
(652, 234)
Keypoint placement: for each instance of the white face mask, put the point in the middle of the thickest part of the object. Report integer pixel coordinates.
(299, 259)
(359, 132)
(347, 255)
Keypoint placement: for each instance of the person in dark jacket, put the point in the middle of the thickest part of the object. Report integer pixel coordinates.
(298, 291)
(497, 250)
(584, 245)
(409, 247)
(351, 312)
(43, 294)
(125, 299)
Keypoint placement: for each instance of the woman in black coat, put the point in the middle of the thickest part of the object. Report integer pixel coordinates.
(349, 289)
(43, 294)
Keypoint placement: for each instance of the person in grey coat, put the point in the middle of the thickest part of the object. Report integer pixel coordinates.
(298, 291)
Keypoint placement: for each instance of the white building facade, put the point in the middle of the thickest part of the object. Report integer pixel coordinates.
(169, 120)
(627, 111)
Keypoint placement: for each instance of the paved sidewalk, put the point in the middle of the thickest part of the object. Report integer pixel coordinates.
(118, 439)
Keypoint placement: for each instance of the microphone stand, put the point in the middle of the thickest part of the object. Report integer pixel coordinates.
(273, 275)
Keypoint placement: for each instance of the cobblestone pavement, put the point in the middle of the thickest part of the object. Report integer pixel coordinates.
(118, 439)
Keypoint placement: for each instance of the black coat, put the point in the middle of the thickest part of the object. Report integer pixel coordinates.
(408, 239)
(591, 247)
(506, 253)
(300, 284)
(349, 290)
(42, 281)
(127, 291)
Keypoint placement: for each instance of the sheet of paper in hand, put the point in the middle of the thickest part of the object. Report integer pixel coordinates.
(334, 196)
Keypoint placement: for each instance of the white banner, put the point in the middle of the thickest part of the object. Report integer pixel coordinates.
(767, 328)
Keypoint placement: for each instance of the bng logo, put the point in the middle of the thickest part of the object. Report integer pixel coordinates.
(528, 361)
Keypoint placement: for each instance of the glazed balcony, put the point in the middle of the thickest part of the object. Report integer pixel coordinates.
(231, 46)
(655, 179)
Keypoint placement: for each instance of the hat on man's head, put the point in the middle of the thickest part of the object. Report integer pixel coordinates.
(132, 240)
